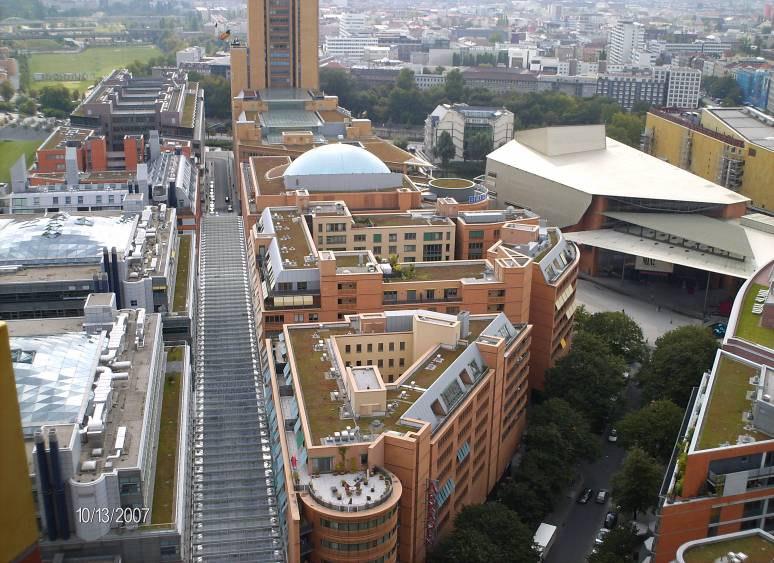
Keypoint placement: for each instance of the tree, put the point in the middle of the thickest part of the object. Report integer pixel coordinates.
(6, 90)
(479, 144)
(485, 533)
(405, 79)
(621, 332)
(576, 439)
(522, 497)
(25, 105)
(589, 377)
(401, 142)
(217, 94)
(725, 88)
(636, 484)
(626, 128)
(680, 358)
(653, 428)
(56, 97)
(455, 85)
(444, 148)
(619, 545)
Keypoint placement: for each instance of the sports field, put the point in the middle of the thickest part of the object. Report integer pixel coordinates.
(10, 151)
(97, 61)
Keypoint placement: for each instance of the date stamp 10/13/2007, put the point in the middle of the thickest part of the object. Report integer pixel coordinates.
(104, 515)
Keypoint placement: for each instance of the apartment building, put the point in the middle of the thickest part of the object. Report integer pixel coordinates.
(628, 88)
(323, 262)
(683, 88)
(721, 478)
(461, 121)
(91, 392)
(391, 423)
(728, 146)
(122, 106)
(626, 38)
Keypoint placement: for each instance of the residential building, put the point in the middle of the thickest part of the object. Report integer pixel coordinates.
(462, 121)
(728, 146)
(719, 481)
(281, 49)
(682, 89)
(20, 535)
(122, 105)
(628, 88)
(427, 81)
(349, 46)
(91, 392)
(53, 262)
(571, 176)
(626, 38)
(391, 423)
(507, 261)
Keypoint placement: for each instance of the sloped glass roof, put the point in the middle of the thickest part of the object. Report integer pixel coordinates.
(63, 239)
(53, 377)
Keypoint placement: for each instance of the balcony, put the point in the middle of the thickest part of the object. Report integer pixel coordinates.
(419, 300)
(354, 496)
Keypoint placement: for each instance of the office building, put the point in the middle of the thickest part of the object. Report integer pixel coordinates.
(353, 25)
(52, 262)
(19, 525)
(390, 424)
(728, 146)
(122, 105)
(349, 47)
(91, 393)
(625, 39)
(719, 480)
(281, 50)
(572, 177)
(462, 121)
(754, 83)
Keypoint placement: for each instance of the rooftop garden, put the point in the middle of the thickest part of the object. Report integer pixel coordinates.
(188, 110)
(180, 300)
(451, 270)
(554, 238)
(724, 418)
(749, 325)
(755, 547)
(166, 453)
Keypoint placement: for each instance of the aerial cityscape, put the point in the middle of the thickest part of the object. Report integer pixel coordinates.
(332, 281)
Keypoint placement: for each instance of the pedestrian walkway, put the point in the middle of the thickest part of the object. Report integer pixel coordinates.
(234, 513)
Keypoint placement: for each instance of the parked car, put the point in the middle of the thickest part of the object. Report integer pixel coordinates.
(600, 537)
(613, 436)
(585, 496)
(228, 199)
(230, 208)
(601, 497)
(611, 519)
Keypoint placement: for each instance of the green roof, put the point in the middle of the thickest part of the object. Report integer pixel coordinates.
(749, 324)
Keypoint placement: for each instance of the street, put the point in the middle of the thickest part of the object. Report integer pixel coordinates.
(220, 169)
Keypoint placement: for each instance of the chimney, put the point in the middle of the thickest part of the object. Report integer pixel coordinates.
(71, 167)
(155, 145)
(19, 175)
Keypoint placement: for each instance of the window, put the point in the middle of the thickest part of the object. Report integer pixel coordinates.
(411, 295)
(279, 319)
(393, 237)
(111, 199)
(402, 362)
(301, 286)
(369, 347)
(133, 303)
(99, 199)
(360, 238)
(377, 250)
(347, 348)
(359, 348)
(393, 250)
(391, 347)
(298, 317)
(409, 236)
(476, 234)
(380, 363)
(402, 346)
(377, 238)
(80, 199)
(409, 248)
(313, 317)
(432, 252)
(430, 294)
(391, 362)
(380, 347)
(336, 239)
(335, 228)
(55, 200)
(433, 236)
(390, 297)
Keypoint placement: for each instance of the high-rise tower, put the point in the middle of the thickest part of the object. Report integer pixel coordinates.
(281, 50)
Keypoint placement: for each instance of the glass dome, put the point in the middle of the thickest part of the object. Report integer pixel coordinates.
(336, 158)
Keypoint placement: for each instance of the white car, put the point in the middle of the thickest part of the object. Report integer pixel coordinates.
(613, 436)
(601, 536)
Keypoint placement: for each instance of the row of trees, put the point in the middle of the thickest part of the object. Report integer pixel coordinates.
(724, 88)
(404, 103)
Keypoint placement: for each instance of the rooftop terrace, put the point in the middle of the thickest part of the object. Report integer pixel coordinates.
(725, 419)
(438, 271)
(61, 135)
(316, 389)
(756, 547)
(181, 280)
(291, 238)
(398, 220)
(749, 324)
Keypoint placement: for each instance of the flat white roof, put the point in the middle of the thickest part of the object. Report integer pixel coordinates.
(616, 170)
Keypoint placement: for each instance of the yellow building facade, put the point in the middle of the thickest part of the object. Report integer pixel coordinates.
(712, 148)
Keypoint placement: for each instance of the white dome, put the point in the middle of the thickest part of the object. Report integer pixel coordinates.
(336, 158)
